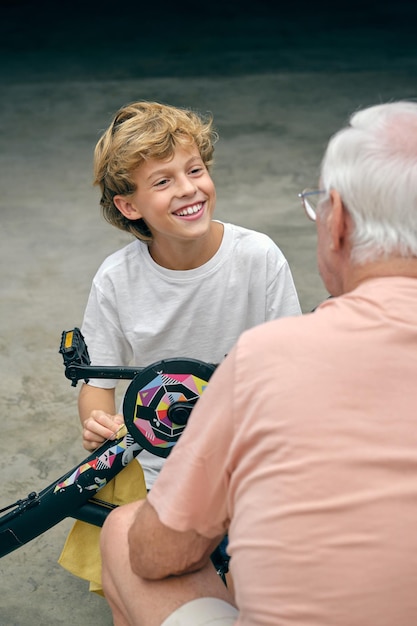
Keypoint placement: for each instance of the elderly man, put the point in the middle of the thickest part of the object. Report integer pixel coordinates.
(304, 445)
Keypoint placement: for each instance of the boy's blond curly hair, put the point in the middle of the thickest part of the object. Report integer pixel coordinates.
(139, 131)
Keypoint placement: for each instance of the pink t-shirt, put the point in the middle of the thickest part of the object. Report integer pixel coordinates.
(304, 448)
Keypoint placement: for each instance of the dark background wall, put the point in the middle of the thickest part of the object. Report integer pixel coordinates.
(42, 40)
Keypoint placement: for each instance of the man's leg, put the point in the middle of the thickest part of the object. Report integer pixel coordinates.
(137, 601)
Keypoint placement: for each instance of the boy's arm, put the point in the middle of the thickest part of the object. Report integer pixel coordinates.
(97, 411)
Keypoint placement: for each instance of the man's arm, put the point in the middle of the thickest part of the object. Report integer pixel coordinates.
(157, 551)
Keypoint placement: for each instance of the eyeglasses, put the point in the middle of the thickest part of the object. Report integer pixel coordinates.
(310, 199)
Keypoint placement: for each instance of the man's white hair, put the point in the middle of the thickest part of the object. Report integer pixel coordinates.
(372, 163)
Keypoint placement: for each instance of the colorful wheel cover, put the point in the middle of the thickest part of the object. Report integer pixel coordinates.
(159, 400)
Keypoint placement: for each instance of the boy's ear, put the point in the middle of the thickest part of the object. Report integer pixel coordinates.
(126, 208)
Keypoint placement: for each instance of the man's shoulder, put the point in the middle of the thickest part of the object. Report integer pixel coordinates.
(306, 329)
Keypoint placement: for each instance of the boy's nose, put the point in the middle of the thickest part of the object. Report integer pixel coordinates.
(186, 186)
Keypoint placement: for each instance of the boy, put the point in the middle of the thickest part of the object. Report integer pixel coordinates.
(188, 285)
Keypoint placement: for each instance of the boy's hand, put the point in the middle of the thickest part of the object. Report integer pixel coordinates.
(100, 427)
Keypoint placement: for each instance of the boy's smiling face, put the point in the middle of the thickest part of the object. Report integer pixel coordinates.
(176, 198)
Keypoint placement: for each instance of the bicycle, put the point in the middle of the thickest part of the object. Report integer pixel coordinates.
(156, 408)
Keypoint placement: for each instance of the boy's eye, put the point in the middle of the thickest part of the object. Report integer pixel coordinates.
(161, 183)
(197, 169)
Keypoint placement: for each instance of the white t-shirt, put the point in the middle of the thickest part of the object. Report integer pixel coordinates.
(139, 312)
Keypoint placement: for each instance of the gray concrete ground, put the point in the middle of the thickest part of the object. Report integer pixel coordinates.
(277, 86)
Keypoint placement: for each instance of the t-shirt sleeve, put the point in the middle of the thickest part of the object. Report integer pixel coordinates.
(282, 298)
(191, 492)
(104, 338)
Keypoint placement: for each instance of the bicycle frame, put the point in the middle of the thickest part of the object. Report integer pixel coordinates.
(71, 495)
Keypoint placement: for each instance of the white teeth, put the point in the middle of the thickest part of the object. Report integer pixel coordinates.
(190, 210)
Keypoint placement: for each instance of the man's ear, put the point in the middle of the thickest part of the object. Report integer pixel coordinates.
(126, 208)
(337, 221)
